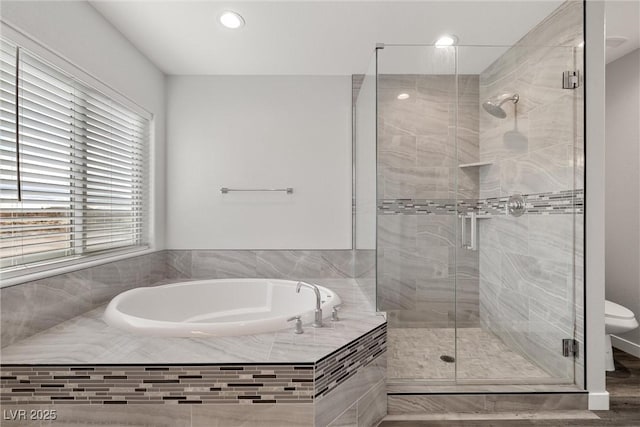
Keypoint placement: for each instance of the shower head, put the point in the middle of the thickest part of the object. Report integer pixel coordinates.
(494, 106)
(494, 109)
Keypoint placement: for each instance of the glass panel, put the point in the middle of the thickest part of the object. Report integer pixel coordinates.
(578, 217)
(516, 138)
(364, 152)
(416, 210)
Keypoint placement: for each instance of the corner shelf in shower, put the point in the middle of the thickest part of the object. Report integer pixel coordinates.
(476, 164)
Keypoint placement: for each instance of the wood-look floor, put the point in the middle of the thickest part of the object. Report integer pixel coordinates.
(623, 386)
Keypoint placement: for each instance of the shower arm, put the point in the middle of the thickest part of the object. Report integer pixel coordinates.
(507, 97)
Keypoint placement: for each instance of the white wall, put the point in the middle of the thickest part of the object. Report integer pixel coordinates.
(623, 187)
(78, 33)
(259, 132)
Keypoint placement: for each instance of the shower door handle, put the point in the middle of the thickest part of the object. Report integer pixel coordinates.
(473, 238)
(474, 231)
(463, 230)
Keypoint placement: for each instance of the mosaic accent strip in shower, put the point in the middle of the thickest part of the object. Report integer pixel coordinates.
(423, 206)
(559, 202)
(338, 367)
(280, 383)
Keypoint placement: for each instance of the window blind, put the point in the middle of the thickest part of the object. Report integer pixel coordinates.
(76, 186)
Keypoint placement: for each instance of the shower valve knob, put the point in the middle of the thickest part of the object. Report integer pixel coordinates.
(516, 205)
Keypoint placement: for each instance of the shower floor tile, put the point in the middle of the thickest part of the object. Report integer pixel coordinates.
(414, 354)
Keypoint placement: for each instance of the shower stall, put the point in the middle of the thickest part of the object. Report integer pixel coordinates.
(469, 191)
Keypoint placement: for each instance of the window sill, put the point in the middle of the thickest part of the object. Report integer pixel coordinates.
(29, 274)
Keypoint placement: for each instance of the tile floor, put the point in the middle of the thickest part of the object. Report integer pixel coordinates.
(414, 354)
(623, 386)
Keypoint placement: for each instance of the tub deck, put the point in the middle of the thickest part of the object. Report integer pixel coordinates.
(87, 339)
(269, 379)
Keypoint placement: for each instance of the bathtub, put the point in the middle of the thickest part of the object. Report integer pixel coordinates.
(222, 307)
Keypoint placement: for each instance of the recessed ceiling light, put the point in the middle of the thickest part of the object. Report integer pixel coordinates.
(446, 40)
(403, 96)
(231, 20)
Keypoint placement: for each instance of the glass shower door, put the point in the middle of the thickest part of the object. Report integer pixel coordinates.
(518, 143)
(416, 221)
(476, 292)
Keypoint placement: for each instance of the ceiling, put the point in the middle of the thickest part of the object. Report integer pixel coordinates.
(311, 37)
(622, 20)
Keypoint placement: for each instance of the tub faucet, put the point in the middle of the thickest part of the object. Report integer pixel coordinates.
(317, 323)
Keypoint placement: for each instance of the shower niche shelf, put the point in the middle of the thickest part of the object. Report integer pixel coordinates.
(475, 165)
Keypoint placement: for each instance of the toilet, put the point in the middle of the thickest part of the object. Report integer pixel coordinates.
(617, 320)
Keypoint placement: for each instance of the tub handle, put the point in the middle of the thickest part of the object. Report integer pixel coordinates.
(298, 320)
(334, 312)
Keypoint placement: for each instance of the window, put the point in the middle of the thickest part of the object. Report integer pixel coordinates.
(73, 166)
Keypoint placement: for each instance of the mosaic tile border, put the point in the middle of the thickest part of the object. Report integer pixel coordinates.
(424, 206)
(559, 202)
(275, 383)
(338, 367)
(158, 384)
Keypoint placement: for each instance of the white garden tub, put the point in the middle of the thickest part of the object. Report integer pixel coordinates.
(223, 307)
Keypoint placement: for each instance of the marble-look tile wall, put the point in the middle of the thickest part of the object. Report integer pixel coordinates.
(418, 158)
(529, 264)
(32, 307)
(275, 264)
(364, 273)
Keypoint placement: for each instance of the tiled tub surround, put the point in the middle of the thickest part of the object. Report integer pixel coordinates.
(531, 266)
(284, 382)
(32, 307)
(121, 384)
(364, 272)
(342, 383)
(359, 401)
(274, 264)
(351, 379)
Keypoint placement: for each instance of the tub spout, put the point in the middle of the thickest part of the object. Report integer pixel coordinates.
(317, 323)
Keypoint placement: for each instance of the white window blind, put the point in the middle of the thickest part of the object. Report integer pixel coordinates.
(77, 185)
